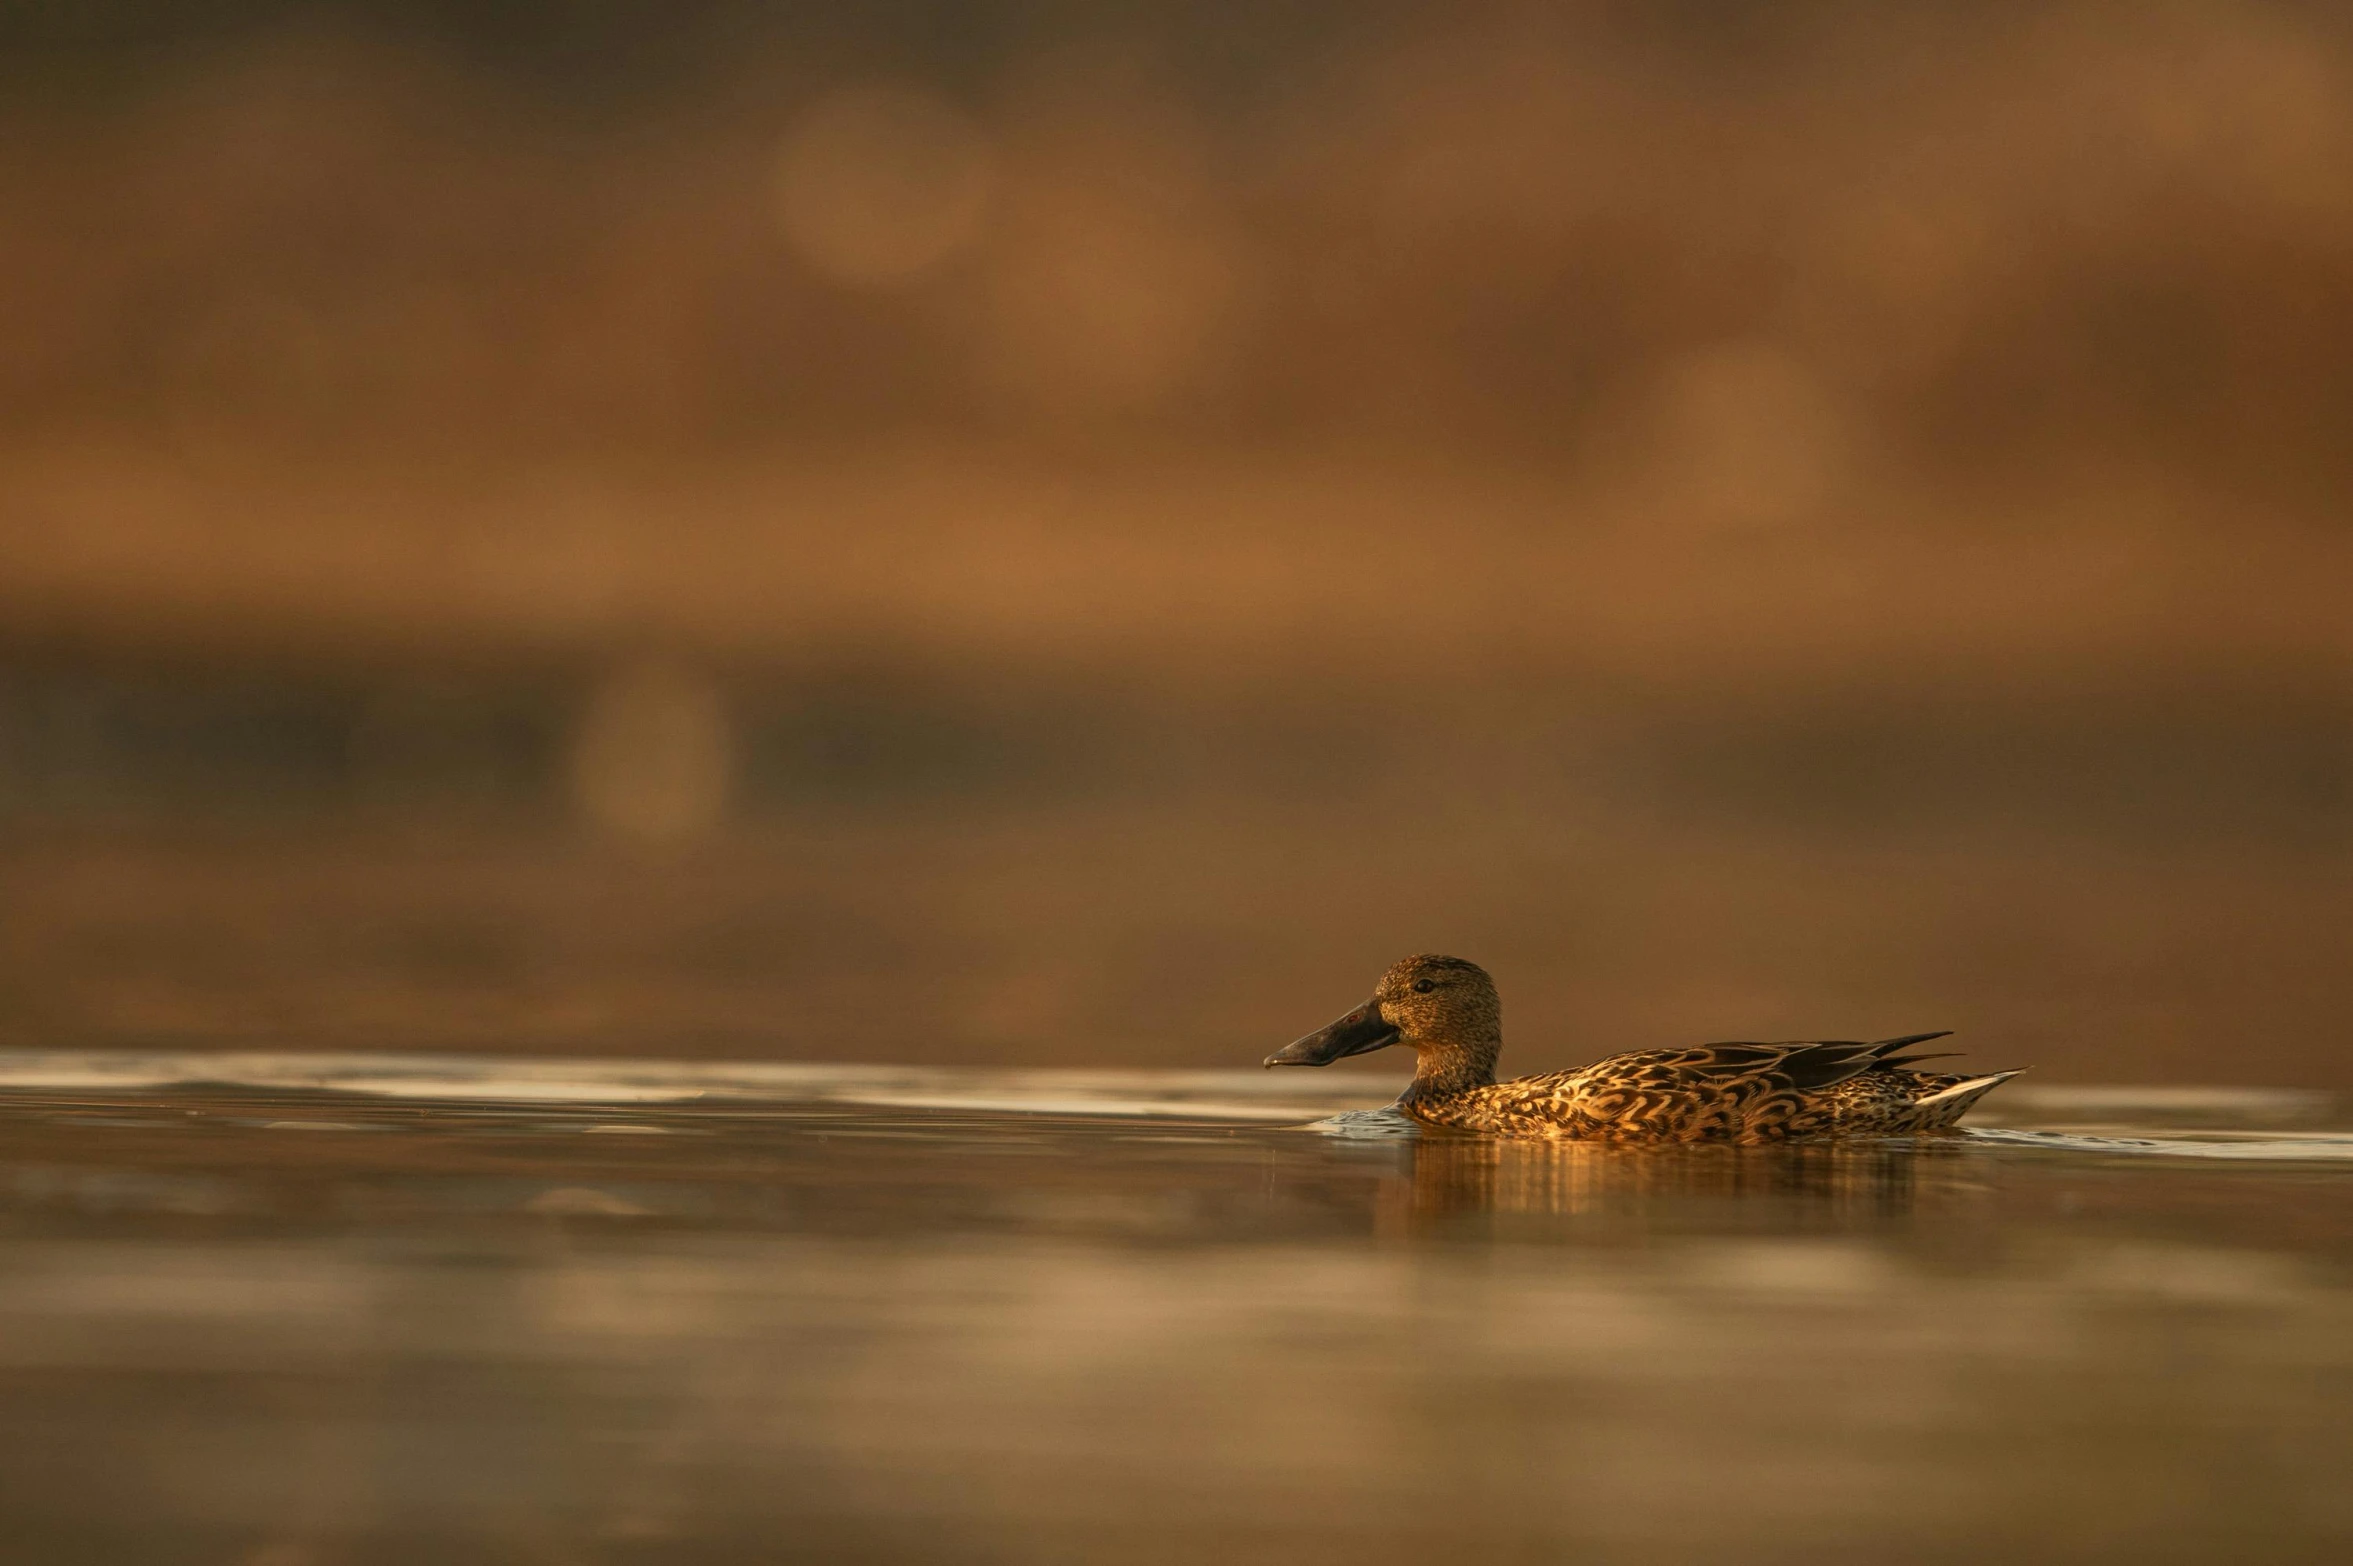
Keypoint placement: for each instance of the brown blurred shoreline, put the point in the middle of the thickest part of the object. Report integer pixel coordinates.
(951, 533)
(1350, 567)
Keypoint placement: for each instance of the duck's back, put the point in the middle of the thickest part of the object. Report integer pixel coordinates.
(1738, 1092)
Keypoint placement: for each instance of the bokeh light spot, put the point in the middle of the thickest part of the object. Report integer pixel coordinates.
(1752, 437)
(653, 759)
(879, 184)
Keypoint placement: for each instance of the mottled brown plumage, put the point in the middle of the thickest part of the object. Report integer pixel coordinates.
(1448, 1011)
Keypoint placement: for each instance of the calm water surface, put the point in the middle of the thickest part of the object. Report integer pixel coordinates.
(294, 1311)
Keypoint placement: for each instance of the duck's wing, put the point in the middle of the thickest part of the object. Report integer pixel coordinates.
(1802, 1065)
(1890, 1052)
(1739, 1090)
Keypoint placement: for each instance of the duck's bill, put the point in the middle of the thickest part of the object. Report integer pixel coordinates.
(1360, 1031)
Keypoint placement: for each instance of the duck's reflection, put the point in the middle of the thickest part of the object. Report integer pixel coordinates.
(1446, 1177)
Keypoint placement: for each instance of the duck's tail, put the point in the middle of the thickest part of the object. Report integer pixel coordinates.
(1946, 1105)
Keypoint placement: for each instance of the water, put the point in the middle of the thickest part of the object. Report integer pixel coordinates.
(276, 1310)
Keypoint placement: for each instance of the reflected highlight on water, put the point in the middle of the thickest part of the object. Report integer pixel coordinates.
(251, 1313)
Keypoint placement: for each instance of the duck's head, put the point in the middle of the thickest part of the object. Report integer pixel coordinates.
(1427, 1002)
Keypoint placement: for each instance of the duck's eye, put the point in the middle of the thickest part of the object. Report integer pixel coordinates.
(1423, 986)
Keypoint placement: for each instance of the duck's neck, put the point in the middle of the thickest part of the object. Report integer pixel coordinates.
(1456, 1066)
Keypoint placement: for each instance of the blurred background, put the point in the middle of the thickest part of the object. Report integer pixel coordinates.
(1011, 531)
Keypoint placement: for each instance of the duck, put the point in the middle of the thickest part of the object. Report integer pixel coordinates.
(1447, 1011)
